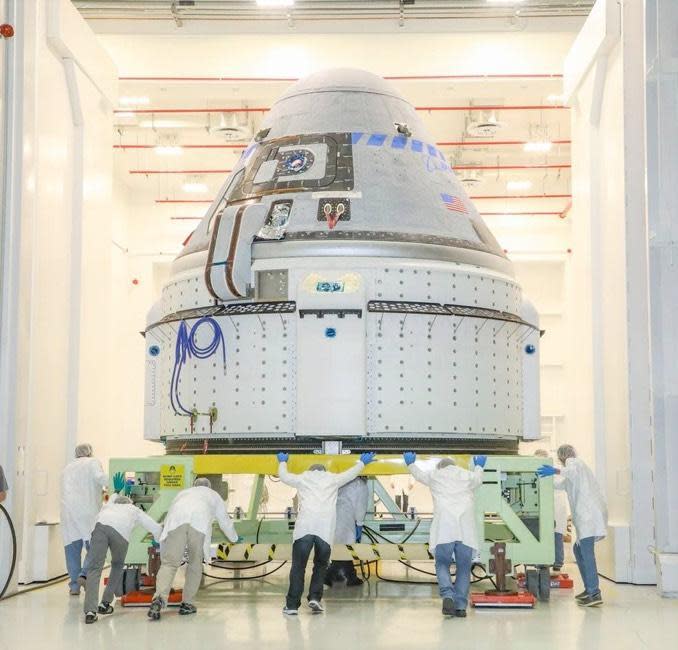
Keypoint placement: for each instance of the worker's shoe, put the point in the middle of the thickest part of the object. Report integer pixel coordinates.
(460, 613)
(316, 606)
(75, 592)
(290, 611)
(557, 568)
(354, 582)
(581, 596)
(90, 617)
(448, 607)
(154, 609)
(105, 608)
(591, 601)
(82, 581)
(187, 608)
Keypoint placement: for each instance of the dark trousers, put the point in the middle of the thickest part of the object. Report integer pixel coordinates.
(301, 550)
(339, 567)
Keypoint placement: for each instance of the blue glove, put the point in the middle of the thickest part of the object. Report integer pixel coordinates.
(128, 487)
(409, 457)
(546, 470)
(155, 544)
(283, 456)
(358, 532)
(118, 482)
(367, 457)
(479, 461)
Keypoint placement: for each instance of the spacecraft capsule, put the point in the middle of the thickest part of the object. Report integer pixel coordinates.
(342, 286)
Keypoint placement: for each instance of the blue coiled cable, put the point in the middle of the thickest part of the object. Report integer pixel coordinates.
(187, 347)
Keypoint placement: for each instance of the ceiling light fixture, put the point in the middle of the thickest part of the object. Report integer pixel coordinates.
(133, 101)
(518, 186)
(537, 146)
(168, 150)
(193, 187)
(275, 3)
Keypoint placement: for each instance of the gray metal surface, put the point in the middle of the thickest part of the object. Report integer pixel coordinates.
(397, 188)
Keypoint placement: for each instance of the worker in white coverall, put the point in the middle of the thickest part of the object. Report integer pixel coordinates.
(453, 536)
(315, 526)
(188, 527)
(352, 505)
(561, 513)
(82, 481)
(111, 532)
(589, 515)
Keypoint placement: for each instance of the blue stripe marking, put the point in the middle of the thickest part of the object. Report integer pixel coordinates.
(417, 145)
(376, 140)
(356, 137)
(431, 150)
(399, 142)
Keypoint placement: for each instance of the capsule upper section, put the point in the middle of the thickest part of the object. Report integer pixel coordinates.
(342, 157)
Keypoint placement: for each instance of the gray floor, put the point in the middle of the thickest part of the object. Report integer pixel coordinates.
(378, 615)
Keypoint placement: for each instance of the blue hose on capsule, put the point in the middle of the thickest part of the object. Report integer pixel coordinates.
(187, 347)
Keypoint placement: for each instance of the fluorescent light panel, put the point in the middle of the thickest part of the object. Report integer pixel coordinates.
(537, 146)
(133, 101)
(275, 3)
(517, 186)
(168, 150)
(194, 188)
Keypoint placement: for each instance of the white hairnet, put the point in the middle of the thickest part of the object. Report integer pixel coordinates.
(202, 482)
(84, 450)
(122, 501)
(541, 453)
(445, 462)
(316, 467)
(565, 452)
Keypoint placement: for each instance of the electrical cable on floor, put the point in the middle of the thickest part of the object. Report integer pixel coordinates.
(263, 575)
(42, 585)
(371, 533)
(238, 568)
(14, 551)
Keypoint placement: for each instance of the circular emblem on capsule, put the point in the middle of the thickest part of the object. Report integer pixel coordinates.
(297, 161)
(530, 349)
(330, 332)
(154, 350)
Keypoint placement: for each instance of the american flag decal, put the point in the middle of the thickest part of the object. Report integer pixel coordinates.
(454, 203)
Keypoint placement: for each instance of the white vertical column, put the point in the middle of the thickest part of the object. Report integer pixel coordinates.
(662, 207)
(639, 480)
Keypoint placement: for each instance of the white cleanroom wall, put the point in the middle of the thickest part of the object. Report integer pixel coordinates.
(662, 209)
(622, 335)
(59, 389)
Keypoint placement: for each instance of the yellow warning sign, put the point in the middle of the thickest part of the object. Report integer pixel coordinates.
(172, 476)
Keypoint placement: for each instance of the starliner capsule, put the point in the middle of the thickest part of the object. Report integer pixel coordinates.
(342, 287)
